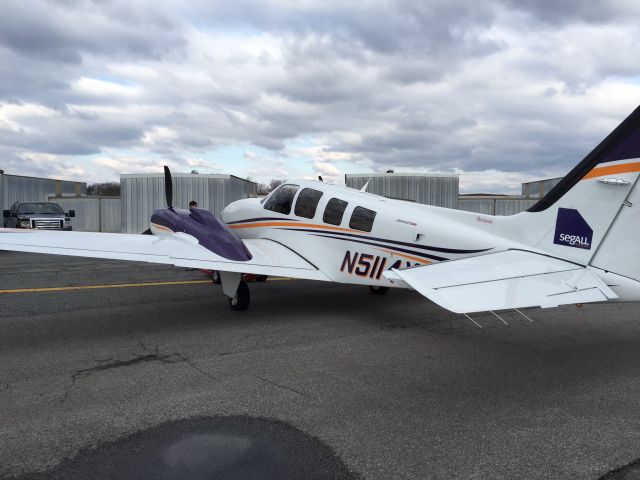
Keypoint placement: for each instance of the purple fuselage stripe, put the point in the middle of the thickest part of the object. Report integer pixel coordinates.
(404, 250)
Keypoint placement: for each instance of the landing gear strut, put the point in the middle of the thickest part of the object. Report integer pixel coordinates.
(241, 300)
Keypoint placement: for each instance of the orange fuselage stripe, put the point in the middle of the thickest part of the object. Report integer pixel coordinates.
(327, 227)
(409, 257)
(613, 170)
(291, 224)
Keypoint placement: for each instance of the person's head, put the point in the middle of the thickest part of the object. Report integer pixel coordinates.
(193, 204)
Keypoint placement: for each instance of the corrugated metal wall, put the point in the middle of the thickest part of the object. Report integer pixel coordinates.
(15, 188)
(110, 215)
(441, 191)
(477, 205)
(511, 206)
(496, 206)
(539, 188)
(93, 214)
(142, 194)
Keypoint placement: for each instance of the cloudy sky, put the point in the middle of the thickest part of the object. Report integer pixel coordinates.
(498, 91)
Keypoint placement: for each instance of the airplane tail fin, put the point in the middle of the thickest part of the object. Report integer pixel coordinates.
(593, 215)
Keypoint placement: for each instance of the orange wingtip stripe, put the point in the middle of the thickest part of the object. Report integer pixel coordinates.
(409, 257)
(613, 170)
(290, 224)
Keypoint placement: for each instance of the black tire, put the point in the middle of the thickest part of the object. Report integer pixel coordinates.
(215, 277)
(261, 278)
(242, 299)
(378, 290)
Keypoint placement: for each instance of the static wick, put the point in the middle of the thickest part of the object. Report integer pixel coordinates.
(480, 326)
(499, 318)
(530, 321)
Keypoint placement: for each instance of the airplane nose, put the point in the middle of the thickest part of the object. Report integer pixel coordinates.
(239, 210)
(224, 214)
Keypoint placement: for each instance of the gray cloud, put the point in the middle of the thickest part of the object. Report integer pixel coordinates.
(63, 32)
(515, 86)
(568, 11)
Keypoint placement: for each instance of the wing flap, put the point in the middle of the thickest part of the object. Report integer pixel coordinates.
(505, 280)
(269, 257)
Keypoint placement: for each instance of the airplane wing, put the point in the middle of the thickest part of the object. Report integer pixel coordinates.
(504, 280)
(268, 257)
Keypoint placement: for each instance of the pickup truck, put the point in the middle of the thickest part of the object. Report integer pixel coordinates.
(42, 215)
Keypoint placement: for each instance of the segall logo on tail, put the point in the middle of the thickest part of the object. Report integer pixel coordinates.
(572, 230)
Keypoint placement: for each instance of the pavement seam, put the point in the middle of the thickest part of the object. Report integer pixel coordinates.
(152, 355)
(183, 358)
(284, 387)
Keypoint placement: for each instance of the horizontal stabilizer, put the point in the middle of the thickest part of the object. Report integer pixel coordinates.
(505, 280)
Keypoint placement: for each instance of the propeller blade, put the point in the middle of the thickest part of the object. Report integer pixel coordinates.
(168, 186)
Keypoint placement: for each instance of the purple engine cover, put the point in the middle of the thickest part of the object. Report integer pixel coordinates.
(203, 225)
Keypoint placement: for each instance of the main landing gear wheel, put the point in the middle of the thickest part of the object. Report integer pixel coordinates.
(378, 290)
(242, 298)
(215, 277)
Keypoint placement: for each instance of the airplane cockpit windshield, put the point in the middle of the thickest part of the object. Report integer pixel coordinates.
(281, 200)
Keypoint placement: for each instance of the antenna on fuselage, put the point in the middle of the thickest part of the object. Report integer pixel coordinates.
(168, 187)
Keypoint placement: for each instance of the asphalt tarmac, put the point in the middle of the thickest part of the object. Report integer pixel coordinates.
(316, 380)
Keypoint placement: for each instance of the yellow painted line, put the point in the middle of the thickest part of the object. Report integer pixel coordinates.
(119, 285)
(96, 287)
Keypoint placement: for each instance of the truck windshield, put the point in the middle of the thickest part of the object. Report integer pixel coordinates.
(40, 208)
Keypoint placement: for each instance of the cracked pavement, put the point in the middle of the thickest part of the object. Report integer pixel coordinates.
(395, 386)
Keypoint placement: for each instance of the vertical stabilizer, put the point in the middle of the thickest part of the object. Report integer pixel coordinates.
(577, 219)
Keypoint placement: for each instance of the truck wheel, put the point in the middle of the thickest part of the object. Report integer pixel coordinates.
(378, 290)
(242, 298)
(261, 278)
(215, 277)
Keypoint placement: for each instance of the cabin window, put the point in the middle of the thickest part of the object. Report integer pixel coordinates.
(362, 219)
(307, 203)
(281, 200)
(334, 211)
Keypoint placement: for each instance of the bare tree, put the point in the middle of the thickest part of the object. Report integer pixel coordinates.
(275, 183)
(109, 189)
(262, 189)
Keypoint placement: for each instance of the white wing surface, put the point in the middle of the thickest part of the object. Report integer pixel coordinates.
(269, 257)
(504, 280)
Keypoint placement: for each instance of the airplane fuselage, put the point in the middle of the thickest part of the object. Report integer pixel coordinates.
(401, 234)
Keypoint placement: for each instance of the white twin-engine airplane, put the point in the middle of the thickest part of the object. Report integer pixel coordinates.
(578, 244)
